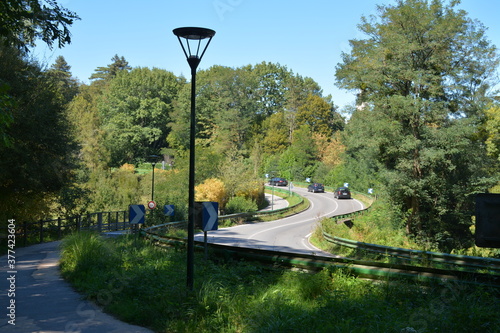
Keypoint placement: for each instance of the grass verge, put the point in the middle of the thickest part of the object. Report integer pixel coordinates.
(145, 285)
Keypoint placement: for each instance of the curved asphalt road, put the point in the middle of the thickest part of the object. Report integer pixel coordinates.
(290, 234)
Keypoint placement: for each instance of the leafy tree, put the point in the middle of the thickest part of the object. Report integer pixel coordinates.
(299, 160)
(493, 131)
(330, 150)
(135, 111)
(23, 21)
(271, 90)
(319, 115)
(6, 117)
(423, 75)
(87, 121)
(276, 134)
(38, 163)
(297, 90)
(233, 107)
(114, 190)
(236, 172)
(225, 110)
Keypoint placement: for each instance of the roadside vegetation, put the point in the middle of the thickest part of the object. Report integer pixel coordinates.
(382, 224)
(146, 285)
(423, 134)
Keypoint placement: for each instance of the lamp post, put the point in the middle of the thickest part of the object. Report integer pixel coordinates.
(194, 36)
(154, 159)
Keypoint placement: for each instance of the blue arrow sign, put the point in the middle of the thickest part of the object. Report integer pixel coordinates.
(210, 215)
(136, 214)
(169, 210)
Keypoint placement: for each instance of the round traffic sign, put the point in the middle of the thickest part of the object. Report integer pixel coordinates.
(151, 205)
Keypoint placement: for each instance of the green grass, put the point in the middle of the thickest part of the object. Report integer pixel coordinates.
(146, 285)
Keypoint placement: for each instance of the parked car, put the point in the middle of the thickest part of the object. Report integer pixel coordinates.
(342, 193)
(276, 181)
(316, 187)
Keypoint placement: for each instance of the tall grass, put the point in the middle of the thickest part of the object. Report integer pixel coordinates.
(146, 285)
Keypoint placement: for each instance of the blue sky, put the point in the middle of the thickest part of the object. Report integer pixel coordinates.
(305, 36)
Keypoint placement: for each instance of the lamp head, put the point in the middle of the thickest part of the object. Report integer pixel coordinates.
(191, 37)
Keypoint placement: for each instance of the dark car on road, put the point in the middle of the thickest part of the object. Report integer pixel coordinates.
(316, 187)
(278, 182)
(342, 193)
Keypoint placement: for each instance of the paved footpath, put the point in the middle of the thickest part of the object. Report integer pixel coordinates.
(44, 302)
(275, 202)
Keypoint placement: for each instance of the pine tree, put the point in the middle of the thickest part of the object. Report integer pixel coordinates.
(107, 73)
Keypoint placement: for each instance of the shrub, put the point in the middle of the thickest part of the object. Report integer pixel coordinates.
(128, 167)
(252, 190)
(240, 205)
(211, 189)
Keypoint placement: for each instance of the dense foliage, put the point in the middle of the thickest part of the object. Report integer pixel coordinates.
(423, 75)
(424, 132)
(37, 163)
(22, 22)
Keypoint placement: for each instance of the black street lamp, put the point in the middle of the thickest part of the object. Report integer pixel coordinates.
(195, 36)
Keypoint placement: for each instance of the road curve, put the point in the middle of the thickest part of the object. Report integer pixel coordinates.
(290, 234)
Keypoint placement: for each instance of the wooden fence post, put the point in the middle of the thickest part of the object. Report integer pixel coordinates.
(41, 231)
(77, 218)
(25, 233)
(99, 222)
(124, 220)
(59, 227)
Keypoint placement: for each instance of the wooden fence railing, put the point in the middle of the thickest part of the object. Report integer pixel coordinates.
(54, 229)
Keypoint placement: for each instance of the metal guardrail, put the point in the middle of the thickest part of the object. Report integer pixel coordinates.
(359, 268)
(462, 261)
(249, 215)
